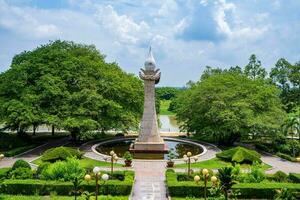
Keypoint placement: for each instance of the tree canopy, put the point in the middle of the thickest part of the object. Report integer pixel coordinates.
(228, 105)
(69, 86)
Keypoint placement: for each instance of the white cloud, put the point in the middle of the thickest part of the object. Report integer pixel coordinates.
(168, 7)
(124, 28)
(220, 16)
(236, 28)
(25, 21)
(180, 26)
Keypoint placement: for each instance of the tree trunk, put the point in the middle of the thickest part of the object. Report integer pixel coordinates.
(52, 132)
(34, 128)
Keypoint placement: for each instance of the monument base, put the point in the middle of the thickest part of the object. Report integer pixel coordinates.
(149, 147)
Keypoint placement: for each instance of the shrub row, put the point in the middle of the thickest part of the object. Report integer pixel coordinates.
(295, 178)
(263, 190)
(41, 187)
(4, 172)
(287, 157)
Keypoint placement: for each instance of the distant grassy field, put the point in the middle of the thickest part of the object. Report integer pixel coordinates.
(164, 105)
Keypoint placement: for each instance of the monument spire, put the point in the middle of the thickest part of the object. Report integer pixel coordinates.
(149, 139)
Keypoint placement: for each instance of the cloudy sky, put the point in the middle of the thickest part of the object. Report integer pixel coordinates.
(185, 35)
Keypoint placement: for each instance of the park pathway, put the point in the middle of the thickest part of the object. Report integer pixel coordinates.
(33, 154)
(278, 163)
(149, 180)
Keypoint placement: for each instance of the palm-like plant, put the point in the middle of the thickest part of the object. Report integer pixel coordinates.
(227, 179)
(292, 127)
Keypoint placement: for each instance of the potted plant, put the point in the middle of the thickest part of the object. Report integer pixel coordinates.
(171, 156)
(128, 159)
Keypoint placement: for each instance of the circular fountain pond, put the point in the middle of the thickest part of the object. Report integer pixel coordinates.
(178, 146)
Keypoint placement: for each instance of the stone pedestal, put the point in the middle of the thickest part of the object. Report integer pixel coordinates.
(149, 139)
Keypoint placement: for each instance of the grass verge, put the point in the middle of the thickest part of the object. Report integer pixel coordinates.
(23, 197)
(164, 105)
(85, 163)
(216, 163)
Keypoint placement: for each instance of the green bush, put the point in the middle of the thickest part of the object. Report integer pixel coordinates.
(280, 176)
(239, 155)
(263, 190)
(42, 167)
(295, 178)
(63, 170)
(4, 172)
(183, 188)
(285, 156)
(256, 175)
(43, 187)
(60, 153)
(21, 173)
(21, 164)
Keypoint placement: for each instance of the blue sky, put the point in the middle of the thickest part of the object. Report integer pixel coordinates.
(185, 35)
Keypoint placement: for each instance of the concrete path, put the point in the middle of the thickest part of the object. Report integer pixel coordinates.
(33, 154)
(280, 164)
(149, 180)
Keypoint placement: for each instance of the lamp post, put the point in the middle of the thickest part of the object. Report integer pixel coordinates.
(205, 176)
(1, 156)
(187, 159)
(113, 157)
(214, 180)
(96, 171)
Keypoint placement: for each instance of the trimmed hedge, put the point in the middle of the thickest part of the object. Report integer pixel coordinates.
(4, 172)
(285, 156)
(41, 187)
(295, 178)
(183, 188)
(263, 190)
(60, 153)
(239, 155)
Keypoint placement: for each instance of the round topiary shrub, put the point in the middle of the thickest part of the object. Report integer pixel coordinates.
(60, 153)
(21, 164)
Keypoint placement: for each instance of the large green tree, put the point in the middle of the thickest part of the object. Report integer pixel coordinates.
(287, 77)
(69, 86)
(253, 69)
(229, 105)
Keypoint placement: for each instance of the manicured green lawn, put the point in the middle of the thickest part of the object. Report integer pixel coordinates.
(13, 197)
(85, 163)
(216, 163)
(186, 198)
(164, 105)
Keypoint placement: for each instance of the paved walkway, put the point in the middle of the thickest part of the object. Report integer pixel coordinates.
(149, 180)
(280, 164)
(33, 154)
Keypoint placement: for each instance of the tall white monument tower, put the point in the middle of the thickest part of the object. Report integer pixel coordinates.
(149, 139)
